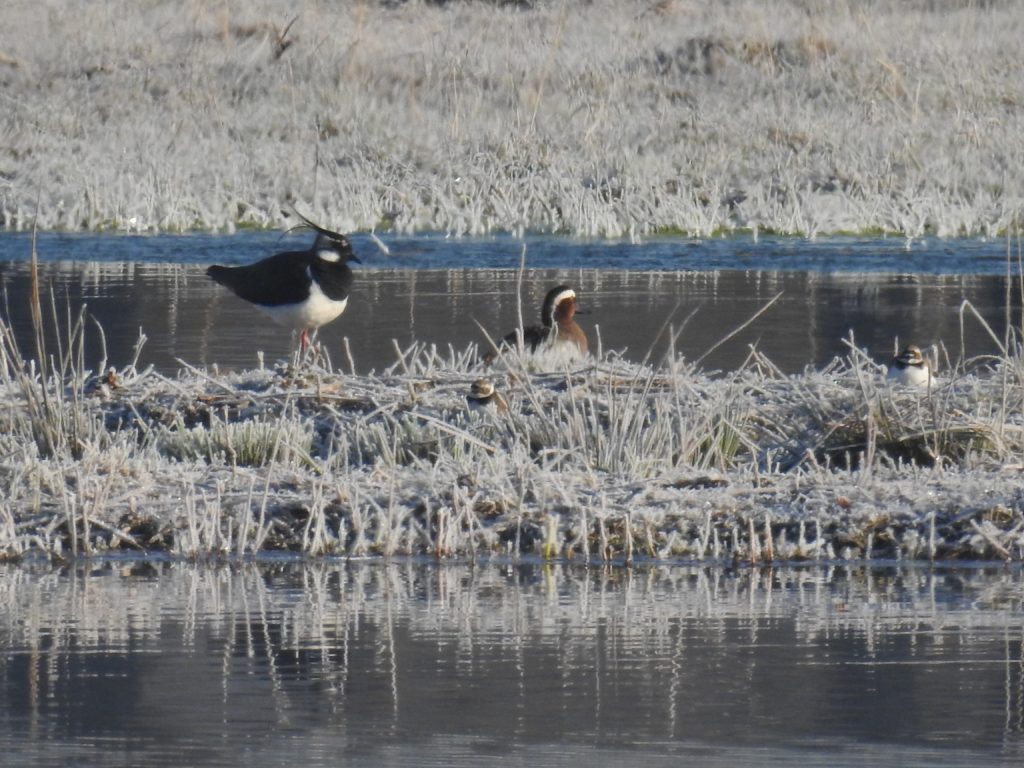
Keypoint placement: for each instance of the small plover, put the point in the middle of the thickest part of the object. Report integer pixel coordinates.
(910, 368)
(482, 396)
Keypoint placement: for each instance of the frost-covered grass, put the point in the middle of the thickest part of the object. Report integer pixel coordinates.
(606, 460)
(603, 118)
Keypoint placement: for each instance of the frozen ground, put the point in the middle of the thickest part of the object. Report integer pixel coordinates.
(606, 461)
(603, 118)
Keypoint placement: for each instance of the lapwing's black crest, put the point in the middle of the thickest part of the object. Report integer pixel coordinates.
(302, 290)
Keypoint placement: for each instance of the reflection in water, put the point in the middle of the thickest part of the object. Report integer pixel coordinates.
(419, 663)
(185, 315)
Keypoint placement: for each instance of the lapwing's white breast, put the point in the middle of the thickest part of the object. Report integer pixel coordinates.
(315, 311)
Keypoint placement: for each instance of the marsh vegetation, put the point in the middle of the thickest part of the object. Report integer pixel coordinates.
(604, 460)
(603, 118)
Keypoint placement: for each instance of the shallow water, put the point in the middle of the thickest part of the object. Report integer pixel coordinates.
(416, 663)
(934, 256)
(424, 291)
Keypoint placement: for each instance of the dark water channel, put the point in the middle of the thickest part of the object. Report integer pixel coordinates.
(435, 291)
(415, 663)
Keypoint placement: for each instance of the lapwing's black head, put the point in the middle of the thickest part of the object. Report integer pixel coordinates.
(559, 304)
(329, 246)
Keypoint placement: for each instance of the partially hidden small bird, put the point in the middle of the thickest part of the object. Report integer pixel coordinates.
(301, 290)
(484, 396)
(558, 330)
(910, 368)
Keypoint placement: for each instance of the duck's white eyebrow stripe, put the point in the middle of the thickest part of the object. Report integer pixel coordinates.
(570, 294)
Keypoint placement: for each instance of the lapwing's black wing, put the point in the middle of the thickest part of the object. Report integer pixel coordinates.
(277, 280)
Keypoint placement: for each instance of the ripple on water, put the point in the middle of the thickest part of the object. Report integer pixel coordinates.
(413, 663)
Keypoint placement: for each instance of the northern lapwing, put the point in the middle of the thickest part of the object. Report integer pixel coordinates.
(910, 368)
(301, 290)
(558, 331)
(483, 397)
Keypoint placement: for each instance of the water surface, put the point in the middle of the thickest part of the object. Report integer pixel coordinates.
(418, 663)
(454, 292)
(929, 255)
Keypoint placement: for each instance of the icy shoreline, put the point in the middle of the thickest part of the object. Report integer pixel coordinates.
(609, 461)
(604, 118)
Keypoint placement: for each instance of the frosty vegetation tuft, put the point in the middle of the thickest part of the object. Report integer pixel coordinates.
(604, 118)
(608, 461)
